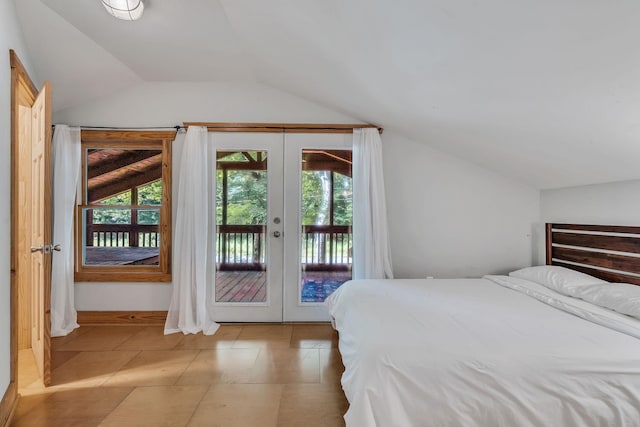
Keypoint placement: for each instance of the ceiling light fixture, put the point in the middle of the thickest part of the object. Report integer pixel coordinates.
(128, 10)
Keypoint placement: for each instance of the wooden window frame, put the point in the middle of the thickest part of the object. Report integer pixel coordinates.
(157, 140)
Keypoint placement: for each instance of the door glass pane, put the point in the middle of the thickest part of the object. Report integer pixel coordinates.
(326, 211)
(241, 218)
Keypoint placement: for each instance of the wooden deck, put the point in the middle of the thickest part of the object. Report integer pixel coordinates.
(250, 286)
(100, 255)
(241, 286)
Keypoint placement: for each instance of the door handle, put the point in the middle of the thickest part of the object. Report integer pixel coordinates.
(45, 249)
(277, 234)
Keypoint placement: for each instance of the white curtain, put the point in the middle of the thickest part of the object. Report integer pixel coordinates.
(66, 178)
(192, 255)
(371, 250)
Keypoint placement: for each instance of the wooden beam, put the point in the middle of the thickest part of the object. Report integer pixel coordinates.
(327, 166)
(334, 154)
(126, 159)
(132, 136)
(248, 156)
(120, 185)
(242, 166)
(308, 165)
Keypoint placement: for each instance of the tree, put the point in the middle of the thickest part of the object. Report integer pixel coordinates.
(246, 197)
(343, 199)
(148, 194)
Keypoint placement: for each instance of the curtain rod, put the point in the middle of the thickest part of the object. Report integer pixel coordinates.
(283, 127)
(251, 127)
(177, 127)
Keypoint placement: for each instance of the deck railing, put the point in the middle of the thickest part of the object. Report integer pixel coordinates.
(240, 247)
(323, 247)
(326, 247)
(123, 235)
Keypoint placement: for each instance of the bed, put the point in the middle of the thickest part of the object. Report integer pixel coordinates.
(501, 350)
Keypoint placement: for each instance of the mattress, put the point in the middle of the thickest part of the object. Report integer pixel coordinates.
(488, 352)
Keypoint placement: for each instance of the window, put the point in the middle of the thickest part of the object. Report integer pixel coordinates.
(123, 224)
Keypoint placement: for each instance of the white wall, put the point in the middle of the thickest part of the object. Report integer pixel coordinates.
(170, 104)
(449, 218)
(616, 203)
(10, 38)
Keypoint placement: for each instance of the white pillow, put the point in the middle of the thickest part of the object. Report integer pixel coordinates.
(621, 297)
(559, 279)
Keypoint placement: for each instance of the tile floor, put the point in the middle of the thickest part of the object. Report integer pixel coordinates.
(244, 375)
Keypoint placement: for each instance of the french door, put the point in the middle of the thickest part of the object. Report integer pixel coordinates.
(318, 220)
(249, 241)
(283, 224)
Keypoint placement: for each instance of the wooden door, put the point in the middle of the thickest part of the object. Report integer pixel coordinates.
(41, 232)
(23, 226)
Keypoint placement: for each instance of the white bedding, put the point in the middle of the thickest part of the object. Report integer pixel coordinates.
(472, 352)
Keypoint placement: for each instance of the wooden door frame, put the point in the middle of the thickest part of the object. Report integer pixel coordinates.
(21, 85)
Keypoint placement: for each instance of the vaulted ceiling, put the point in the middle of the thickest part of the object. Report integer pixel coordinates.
(547, 92)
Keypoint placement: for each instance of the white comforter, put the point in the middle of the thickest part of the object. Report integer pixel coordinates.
(472, 352)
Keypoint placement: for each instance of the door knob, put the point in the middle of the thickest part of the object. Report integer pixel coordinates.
(276, 234)
(45, 249)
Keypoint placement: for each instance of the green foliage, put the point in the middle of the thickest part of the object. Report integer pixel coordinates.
(343, 199)
(119, 199)
(315, 206)
(246, 197)
(111, 216)
(148, 194)
(149, 216)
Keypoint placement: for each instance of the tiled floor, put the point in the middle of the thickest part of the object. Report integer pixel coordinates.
(244, 375)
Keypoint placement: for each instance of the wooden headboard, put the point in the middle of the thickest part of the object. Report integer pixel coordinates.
(609, 252)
